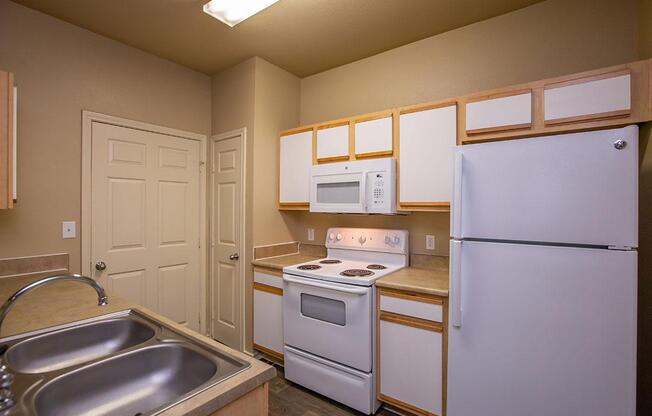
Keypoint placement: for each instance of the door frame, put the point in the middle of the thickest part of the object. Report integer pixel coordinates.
(242, 134)
(88, 118)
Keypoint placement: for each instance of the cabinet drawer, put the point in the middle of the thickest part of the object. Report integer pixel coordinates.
(268, 279)
(603, 96)
(417, 309)
(505, 112)
(374, 138)
(333, 143)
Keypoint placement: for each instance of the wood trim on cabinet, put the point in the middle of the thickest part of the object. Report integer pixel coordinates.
(269, 289)
(352, 155)
(296, 130)
(274, 354)
(399, 319)
(370, 155)
(5, 138)
(333, 123)
(333, 159)
(426, 106)
(267, 270)
(588, 117)
(293, 206)
(500, 128)
(371, 116)
(582, 79)
(425, 204)
(492, 95)
(404, 406)
(417, 297)
(254, 403)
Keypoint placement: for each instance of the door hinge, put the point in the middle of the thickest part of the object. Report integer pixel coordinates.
(620, 248)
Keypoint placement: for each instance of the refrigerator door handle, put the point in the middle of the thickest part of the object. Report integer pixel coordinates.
(456, 283)
(457, 196)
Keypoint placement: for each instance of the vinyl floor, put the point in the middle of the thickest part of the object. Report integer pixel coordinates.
(289, 399)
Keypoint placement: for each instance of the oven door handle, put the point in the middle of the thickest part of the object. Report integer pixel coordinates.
(352, 290)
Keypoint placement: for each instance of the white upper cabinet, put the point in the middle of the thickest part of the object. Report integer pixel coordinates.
(506, 112)
(603, 96)
(374, 137)
(426, 143)
(295, 165)
(333, 143)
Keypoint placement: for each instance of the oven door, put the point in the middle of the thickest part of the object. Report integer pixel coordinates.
(339, 192)
(330, 320)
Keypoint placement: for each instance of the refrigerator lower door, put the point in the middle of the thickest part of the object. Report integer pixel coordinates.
(543, 331)
(579, 188)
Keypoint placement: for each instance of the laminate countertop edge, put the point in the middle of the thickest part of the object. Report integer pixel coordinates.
(417, 280)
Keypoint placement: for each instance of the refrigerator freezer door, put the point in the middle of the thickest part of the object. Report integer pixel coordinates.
(544, 331)
(576, 188)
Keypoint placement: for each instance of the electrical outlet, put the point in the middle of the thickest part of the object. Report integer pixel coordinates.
(69, 229)
(430, 242)
(311, 234)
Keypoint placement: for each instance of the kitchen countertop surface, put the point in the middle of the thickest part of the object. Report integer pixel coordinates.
(63, 302)
(412, 279)
(278, 262)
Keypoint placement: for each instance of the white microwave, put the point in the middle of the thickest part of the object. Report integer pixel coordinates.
(358, 186)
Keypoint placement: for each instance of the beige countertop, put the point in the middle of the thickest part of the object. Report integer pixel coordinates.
(64, 302)
(278, 262)
(427, 281)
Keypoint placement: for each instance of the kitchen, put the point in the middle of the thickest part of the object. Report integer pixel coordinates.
(70, 79)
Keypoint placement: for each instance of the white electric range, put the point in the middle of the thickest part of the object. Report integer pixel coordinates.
(329, 314)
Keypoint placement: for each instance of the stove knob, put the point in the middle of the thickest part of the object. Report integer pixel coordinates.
(397, 239)
(338, 237)
(362, 239)
(388, 240)
(331, 236)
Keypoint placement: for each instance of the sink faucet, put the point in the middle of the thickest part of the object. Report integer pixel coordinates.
(6, 378)
(102, 299)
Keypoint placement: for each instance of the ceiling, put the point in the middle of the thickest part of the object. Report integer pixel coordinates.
(301, 36)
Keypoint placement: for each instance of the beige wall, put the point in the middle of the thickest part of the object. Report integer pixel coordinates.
(264, 99)
(61, 70)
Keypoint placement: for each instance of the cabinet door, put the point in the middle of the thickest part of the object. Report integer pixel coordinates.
(426, 143)
(410, 367)
(268, 314)
(374, 138)
(598, 97)
(507, 111)
(333, 143)
(294, 170)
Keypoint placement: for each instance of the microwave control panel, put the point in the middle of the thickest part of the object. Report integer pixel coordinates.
(378, 189)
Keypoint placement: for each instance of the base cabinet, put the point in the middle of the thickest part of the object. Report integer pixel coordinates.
(412, 352)
(268, 314)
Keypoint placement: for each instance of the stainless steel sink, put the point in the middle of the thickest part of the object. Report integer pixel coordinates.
(76, 345)
(121, 364)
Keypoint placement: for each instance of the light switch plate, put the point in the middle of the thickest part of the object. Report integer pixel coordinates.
(311, 234)
(430, 242)
(69, 229)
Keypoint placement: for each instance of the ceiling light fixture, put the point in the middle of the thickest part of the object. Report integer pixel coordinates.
(232, 12)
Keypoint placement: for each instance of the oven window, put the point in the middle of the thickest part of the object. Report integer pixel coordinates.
(323, 309)
(338, 193)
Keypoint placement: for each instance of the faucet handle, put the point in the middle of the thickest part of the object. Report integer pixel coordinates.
(6, 399)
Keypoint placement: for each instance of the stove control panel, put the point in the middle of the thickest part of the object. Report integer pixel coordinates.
(371, 239)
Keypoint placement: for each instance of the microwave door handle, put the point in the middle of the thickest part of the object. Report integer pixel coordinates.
(351, 290)
(363, 190)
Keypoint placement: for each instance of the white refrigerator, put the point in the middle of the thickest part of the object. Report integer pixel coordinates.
(543, 288)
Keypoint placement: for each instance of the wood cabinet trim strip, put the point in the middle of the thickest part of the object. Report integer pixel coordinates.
(270, 271)
(426, 106)
(275, 354)
(296, 130)
(589, 117)
(411, 321)
(417, 297)
(268, 289)
(425, 204)
(383, 153)
(585, 79)
(492, 95)
(333, 159)
(404, 406)
(522, 126)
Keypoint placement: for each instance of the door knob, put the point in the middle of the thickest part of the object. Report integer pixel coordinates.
(234, 256)
(100, 265)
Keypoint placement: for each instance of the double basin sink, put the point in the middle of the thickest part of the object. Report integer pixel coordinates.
(122, 364)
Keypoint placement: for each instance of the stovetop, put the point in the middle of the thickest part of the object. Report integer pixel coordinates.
(361, 273)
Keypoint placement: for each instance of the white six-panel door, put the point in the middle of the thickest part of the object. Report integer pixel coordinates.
(145, 219)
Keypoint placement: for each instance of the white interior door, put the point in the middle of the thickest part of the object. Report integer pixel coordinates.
(579, 188)
(226, 235)
(145, 219)
(544, 331)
